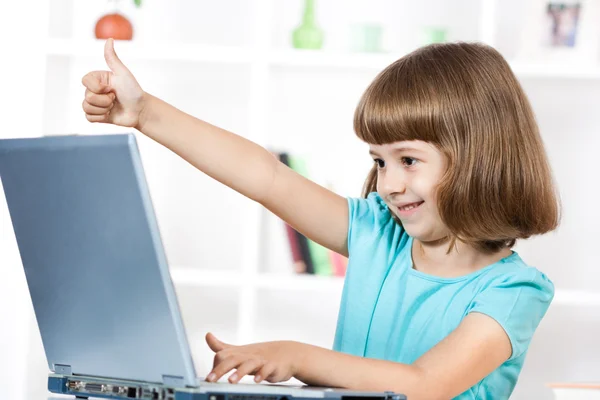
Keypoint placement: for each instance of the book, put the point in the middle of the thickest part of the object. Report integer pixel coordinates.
(575, 391)
(339, 263)
(318, 254)
(297, 258)
(317, 258)
(299, 247)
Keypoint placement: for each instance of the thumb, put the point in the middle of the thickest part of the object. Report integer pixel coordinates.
(112, 60)
(215, 344)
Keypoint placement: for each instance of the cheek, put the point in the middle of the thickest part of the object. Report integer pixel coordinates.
(426, 184)
(423, 187)
(378, 188)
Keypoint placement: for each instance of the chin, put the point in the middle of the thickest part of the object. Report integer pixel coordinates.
(416, 233)
(424, 236)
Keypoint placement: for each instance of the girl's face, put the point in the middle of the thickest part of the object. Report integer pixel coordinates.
(408, 174)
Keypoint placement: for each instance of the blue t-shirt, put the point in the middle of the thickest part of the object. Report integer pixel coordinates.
(392, 312)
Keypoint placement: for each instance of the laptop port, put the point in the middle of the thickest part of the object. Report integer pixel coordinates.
(361, 398)
(132, 392)
(94, 387)
(74, 385)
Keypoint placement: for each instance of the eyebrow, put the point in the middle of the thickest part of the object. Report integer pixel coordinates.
(398, 150)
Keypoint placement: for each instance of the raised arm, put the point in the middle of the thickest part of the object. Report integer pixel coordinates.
(116, 97)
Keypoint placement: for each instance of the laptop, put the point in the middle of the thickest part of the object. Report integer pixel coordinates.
(99, 280)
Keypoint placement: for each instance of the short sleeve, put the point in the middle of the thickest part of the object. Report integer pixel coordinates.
(367, 218)
(517, 301)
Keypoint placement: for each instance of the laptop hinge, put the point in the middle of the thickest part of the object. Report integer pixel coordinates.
(172, 380)
(62, 369)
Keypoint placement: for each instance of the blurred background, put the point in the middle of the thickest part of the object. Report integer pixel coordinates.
(287, 74)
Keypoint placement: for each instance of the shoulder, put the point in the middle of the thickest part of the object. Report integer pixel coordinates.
(517, 296)
(369, 219)
(513, 273)
(372, 209)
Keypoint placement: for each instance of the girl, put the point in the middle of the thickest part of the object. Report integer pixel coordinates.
(435, 303)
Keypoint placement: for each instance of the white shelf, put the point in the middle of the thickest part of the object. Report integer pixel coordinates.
(290, 58)
(377, 62)
(166, 51)
(195, 277)
(317, 58)
(565, 71)
(300, 282)
(577, 298)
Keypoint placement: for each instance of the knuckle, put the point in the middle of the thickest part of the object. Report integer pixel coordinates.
(220, 356)
(86, 107)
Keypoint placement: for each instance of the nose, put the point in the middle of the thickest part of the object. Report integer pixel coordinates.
(391, 184)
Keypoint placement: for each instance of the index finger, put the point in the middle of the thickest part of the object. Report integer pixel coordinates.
(96, 81)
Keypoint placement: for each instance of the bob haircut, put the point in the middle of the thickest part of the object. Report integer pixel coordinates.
(464, 99)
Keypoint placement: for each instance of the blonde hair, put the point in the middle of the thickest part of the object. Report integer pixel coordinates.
(464, 99)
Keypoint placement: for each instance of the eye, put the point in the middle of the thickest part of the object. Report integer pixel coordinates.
(380, 163)
(409, 161)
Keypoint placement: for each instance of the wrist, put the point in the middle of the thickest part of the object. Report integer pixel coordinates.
(300, 351)
(145, 113)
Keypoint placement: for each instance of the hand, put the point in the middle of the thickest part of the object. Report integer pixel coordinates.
(270, 361)
(114, 96)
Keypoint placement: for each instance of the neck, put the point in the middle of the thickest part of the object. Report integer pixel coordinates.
(433, 258)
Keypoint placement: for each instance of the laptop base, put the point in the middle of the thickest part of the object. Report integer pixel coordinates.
(91, 387)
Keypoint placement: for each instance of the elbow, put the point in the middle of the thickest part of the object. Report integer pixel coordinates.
(266, 171)
(270, 168)
(423, 386)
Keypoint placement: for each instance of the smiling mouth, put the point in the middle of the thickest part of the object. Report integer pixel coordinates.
(410, 206)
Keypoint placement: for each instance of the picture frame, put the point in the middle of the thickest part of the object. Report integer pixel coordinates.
(561, 32)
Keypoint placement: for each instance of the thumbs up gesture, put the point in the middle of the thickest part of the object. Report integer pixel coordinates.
(114, 96)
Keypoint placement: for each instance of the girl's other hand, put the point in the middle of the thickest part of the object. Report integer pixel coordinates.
(113, 97)
(270, 361)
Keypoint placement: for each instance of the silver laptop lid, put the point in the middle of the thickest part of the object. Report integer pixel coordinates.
(95, 266)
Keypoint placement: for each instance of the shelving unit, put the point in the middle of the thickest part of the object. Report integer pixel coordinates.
(168, 51)
(230, 63)
(196, 278)
(288, 58)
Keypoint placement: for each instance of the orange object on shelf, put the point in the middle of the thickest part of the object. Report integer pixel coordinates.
(114, 26)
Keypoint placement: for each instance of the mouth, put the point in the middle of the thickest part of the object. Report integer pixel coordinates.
(409, 209)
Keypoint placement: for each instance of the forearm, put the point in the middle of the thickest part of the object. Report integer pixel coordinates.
(230, 159)
(323, 367)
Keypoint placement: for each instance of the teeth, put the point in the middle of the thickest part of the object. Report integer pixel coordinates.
(409, 207)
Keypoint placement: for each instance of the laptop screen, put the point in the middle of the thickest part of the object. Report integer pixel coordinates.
(93, 258)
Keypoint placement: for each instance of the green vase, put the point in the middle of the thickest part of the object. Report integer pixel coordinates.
(308, 35)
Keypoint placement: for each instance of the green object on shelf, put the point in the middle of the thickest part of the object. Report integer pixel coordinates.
(138, 3)
(367, 38)
(434, 35)
(308, 35)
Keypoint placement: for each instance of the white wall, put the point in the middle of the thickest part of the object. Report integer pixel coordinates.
(307, 107)
(21, 68)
